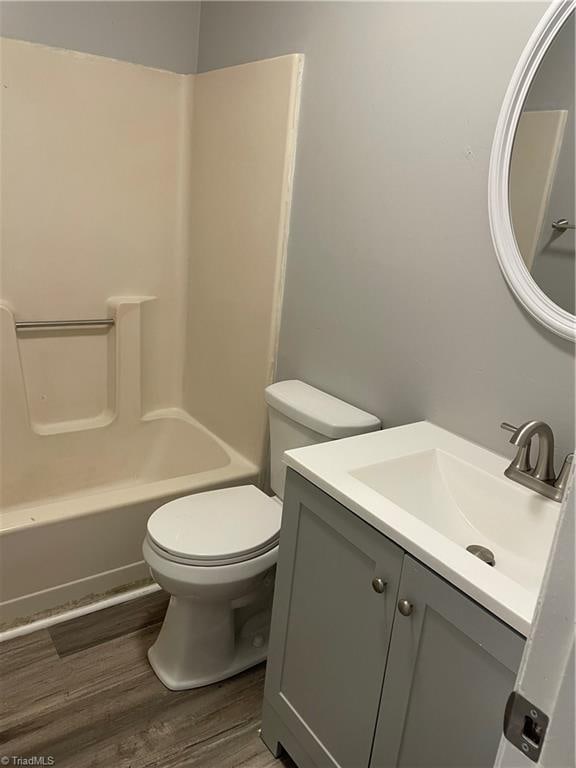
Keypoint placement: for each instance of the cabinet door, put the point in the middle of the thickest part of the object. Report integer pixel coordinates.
(330, 630)
(450, 669)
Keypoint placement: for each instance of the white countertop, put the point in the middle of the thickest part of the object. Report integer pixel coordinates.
(517, 524)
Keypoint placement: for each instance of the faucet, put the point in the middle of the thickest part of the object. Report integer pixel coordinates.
(540, 478)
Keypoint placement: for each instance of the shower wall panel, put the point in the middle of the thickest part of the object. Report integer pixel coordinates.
(243, 146)
(91, 151)
(125, 183)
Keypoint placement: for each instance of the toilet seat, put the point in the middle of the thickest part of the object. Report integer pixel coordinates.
(222, 527)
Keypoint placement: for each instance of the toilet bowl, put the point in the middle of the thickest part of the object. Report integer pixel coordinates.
(215, 552)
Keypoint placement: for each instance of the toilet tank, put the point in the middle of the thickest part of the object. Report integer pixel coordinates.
(302, 415)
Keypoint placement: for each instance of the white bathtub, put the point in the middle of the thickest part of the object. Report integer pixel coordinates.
(74, 509)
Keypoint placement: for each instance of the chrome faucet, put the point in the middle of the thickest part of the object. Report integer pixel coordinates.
(540, 478)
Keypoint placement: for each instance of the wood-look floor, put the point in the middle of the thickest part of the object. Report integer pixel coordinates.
(83, 694)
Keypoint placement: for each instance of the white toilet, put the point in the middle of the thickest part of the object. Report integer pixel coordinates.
(215, 552)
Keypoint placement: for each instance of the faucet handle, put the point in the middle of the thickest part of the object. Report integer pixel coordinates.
(508, 427)
(564, 474)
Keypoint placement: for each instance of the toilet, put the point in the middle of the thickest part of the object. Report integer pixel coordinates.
(215, 552)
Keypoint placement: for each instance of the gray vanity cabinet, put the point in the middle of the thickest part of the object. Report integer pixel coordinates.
(353, 681)
(451, 667)
(330, 631)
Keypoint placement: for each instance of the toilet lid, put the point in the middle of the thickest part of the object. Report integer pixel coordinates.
(230, 524)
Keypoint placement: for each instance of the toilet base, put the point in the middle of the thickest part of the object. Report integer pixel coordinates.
(203, 643)
(246, 656)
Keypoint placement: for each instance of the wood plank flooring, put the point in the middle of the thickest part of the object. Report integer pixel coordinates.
(83, 694)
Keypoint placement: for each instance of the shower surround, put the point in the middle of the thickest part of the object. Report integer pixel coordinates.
(160, 201)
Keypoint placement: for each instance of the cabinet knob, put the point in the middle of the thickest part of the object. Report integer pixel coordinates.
(405, 607)
(378, 585)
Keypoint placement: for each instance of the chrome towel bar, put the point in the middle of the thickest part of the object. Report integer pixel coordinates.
(31, 325)
(561, 225)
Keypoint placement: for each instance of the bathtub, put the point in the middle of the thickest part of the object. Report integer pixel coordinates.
(73, 510)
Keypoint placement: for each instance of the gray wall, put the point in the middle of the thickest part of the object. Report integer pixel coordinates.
(394, 300)
(157, 34)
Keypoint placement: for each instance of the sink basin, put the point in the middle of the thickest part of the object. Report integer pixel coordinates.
(469, 506)
(435, 494)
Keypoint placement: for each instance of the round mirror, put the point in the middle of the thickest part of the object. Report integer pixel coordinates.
(531, 189)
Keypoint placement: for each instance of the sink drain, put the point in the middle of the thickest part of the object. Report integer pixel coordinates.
(483, 553)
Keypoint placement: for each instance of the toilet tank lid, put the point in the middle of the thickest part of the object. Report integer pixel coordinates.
(319, 411)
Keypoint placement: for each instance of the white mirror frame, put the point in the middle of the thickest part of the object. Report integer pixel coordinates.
(521, 282)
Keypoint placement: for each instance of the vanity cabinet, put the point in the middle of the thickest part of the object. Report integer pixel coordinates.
(330, 630)
(354, 683)
(451, 667)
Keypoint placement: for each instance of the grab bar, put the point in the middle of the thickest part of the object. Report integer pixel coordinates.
(561, 225)
(30, 325)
